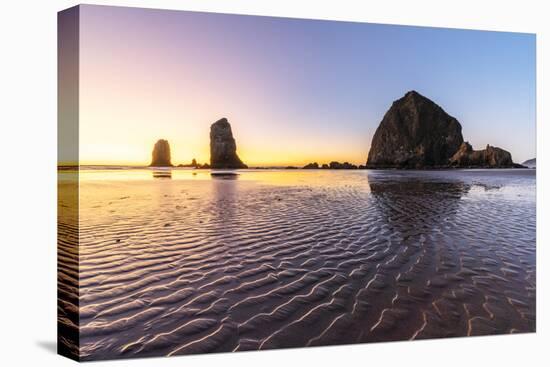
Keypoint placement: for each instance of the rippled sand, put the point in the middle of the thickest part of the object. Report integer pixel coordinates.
(179, 262)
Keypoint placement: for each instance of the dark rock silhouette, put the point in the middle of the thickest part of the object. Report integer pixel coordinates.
(162, 174)
(313, 165)
(488, 157)
(193, 164)
(223, 149)
(417, 133)
(414, 133)
(161, 154)
(530, 163)
(338, 165)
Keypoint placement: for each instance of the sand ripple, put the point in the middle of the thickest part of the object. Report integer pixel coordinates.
(171, 267)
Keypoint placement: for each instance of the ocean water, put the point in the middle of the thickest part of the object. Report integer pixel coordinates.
(178, 261)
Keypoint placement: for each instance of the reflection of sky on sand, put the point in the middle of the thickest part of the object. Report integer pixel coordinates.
(511, 184)
(264, 176)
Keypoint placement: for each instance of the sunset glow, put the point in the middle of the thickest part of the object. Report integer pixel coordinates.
(294, 91)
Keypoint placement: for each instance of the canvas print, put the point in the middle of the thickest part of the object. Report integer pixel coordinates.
(235, 183)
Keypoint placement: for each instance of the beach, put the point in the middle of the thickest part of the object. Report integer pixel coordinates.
(177, 261)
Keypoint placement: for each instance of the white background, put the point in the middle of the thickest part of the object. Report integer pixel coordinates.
(28, 182)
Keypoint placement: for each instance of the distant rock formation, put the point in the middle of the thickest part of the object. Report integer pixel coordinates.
(332, 165)
(223, 149)
(530, 163)
(161, 154)
(414, 133)
(488, 157)
(338, 165)
(193, 164)
(313, 165)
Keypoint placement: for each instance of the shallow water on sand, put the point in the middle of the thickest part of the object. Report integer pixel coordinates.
(178, 261)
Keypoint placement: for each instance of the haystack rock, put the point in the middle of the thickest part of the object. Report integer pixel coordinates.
(415, 133)
(489, 157)
(223, 149)
(161, 154)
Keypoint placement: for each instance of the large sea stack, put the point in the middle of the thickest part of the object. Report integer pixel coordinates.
(414, 133)
(417, 133)
(161, 154)
(223, 149)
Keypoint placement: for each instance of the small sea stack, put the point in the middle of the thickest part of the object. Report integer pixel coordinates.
(161, 154)
(223, 149)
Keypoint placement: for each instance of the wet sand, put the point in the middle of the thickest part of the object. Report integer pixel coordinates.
(186, 263)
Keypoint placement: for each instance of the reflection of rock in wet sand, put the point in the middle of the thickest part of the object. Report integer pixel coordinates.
(162, 174)
(337, 257)
(225, 175)
(416, 203)
(448, 270)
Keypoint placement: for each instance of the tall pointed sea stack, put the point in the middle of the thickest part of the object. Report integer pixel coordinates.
(415, 133)
(223, 149)
(161, 154)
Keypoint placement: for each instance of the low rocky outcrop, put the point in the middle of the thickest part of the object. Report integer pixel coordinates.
(313, 165)
(530, 163)
(161, 154)
(414, 133)
(338, 165)
(223, 149)
(488, 157)
(193, 164)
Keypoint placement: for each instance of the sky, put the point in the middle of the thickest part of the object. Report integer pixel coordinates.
(295, 91)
